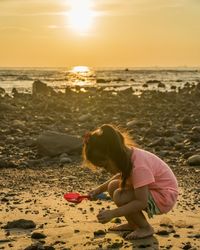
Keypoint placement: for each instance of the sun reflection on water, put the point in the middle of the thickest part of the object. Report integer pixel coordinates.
(80, 69)
(82, 75)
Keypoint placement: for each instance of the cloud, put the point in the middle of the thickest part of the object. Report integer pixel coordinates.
(32, 8)
(14, 28)
(54, 27)
(131, 7)
(34, 14)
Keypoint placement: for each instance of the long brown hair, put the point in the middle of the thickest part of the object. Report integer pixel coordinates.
(108, 142)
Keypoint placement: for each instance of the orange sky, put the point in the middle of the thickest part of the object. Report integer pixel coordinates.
(99, 33)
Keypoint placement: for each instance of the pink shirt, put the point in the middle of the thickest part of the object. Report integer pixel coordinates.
(148, 169)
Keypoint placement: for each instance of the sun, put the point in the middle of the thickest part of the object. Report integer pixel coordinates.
(80, 15)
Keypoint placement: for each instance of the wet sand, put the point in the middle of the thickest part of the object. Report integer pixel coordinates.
(30, 194)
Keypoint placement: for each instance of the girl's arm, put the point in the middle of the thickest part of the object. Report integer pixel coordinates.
(103, 187)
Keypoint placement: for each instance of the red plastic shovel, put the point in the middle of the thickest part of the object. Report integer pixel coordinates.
(75, 197)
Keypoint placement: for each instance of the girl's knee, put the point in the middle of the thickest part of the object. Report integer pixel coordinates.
(112, 186)
(117, 197)
(122, 197)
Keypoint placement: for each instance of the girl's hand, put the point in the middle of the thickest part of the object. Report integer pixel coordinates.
(94, 193)
(105, 216)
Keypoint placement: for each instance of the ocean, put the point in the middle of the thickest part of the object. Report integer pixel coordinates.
(109, 78)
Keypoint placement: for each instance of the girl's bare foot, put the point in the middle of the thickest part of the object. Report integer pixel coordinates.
(123, 227)
(140, 233)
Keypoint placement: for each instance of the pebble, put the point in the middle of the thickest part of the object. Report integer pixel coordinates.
(38, 235)
(99, 232)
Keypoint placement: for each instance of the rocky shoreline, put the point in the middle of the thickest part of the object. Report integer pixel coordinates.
(166, 123)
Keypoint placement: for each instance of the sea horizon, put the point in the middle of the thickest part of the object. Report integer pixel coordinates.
(106, 67)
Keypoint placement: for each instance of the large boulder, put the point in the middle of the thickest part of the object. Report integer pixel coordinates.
(53, 143)
(41, 88)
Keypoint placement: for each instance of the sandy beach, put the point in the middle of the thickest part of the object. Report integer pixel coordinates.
(32, 182)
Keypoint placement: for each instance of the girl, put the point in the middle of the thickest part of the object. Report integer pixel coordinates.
(141, 181)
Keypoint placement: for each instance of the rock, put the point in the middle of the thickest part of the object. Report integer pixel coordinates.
(173, 87)
(23, 78)
(52, 143)
(165, 231)
(64, 160)
(4, 199)
(136, 122)
(187, 245)
(2, 91)
(161, 85)
(49, 248)
(7, 164)
(157, 142)
(100, 80)
(131, 123)
(196, 129)
(41, 88)
(14, 92)
(39, 246)
(176, 235)
(37, 235)
(153, 81)
(194, 160)
(166, 222)
(5, 241)
(34, 247)
(21, 223)
(197, 236)
(115, 245)
(186, 85)
(64, 155)
(117, 220)
(145, 85)
(85, 117)
(18, 124)
(7, 107)
(99, 232)
(34, 163)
